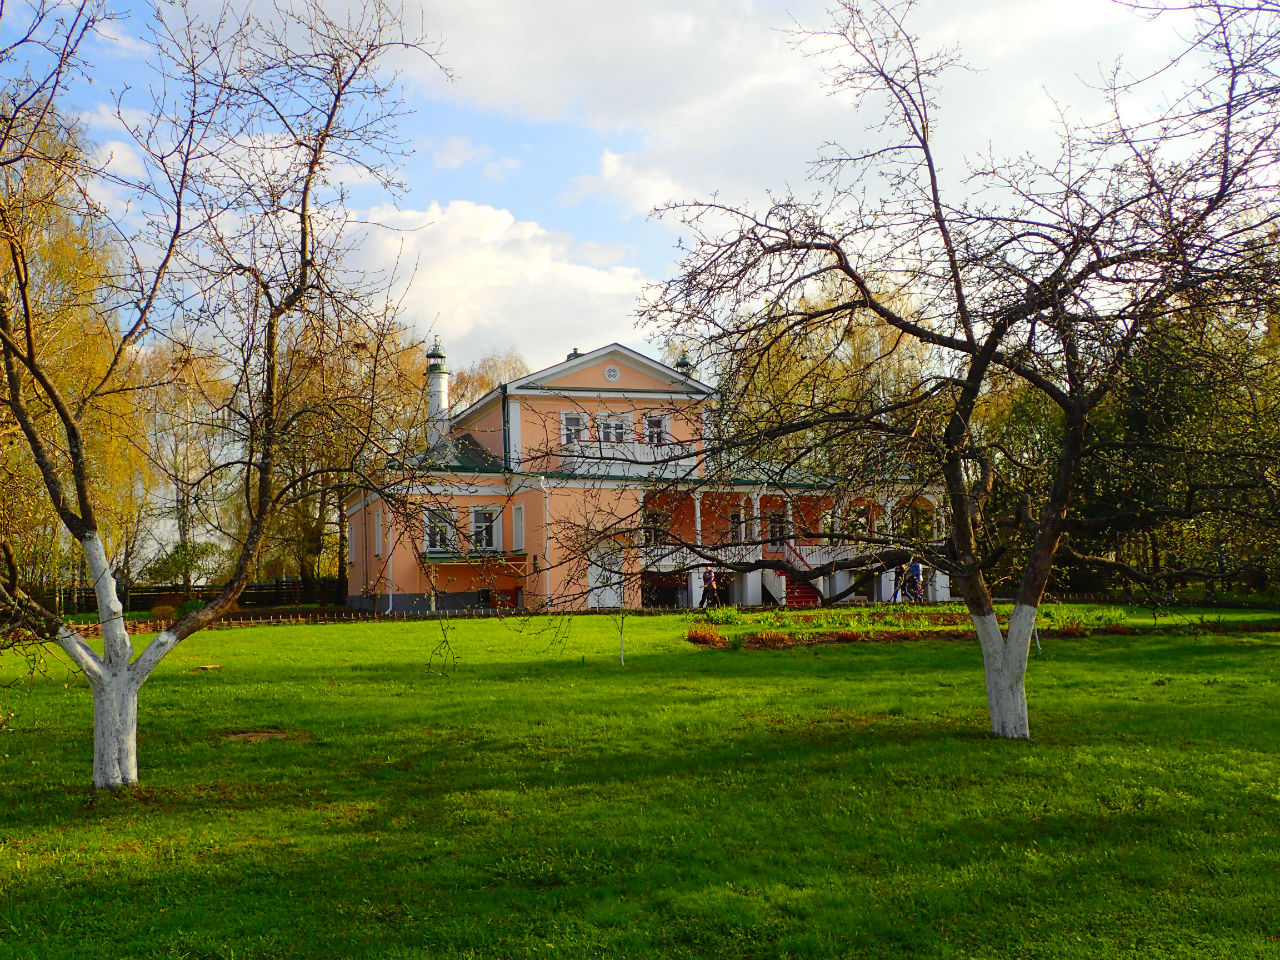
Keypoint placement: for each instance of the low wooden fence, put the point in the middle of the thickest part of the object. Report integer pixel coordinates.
(271, 593)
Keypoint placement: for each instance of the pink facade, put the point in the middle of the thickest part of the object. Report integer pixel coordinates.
(574, 487)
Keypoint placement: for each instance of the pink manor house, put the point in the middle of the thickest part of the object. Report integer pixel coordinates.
(506, 491)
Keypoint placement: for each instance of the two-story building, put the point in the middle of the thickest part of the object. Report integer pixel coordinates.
(583, 485)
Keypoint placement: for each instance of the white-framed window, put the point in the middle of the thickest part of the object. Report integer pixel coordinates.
(613, 427)
(779, 529)
(377, 533)
(351, 541)
(655, 428)
(437, 530)
(573, 427)
(486, 528)
(517, 527)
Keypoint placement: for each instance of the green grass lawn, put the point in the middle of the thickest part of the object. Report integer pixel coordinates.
(541, 800)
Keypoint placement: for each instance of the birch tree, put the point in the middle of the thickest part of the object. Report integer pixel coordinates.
(232, 248)
(1048, 272)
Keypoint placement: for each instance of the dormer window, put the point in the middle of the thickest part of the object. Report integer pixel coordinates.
(573, 427)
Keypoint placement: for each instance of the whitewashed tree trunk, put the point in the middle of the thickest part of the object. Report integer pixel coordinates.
(1004, 660)
(113, 680)
(115, 732)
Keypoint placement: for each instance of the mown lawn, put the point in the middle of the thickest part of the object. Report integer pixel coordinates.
(541, 800)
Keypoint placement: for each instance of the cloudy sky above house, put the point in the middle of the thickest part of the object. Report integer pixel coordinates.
(535, 170)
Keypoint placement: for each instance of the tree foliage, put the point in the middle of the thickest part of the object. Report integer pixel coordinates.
(469, 384)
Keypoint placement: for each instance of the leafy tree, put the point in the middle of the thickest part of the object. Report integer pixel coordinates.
(58, 255)
(469, 384)
(186, 446)
(1174, 480)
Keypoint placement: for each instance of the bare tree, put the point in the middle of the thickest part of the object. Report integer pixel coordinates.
(1045, 272)
(233, 249)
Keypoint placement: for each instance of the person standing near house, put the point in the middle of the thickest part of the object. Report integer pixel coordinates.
(709, 588)
(915, 582)
(899, 572)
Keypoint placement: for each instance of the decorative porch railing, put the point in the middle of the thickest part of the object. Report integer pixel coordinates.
(628, 459)
(662, 558)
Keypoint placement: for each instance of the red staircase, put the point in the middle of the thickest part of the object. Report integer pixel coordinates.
(801, 594)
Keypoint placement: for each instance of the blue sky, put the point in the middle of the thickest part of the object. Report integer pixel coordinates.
(534, 171)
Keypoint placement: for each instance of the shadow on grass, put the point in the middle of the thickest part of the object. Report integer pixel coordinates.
(915, 842)
(822, 802)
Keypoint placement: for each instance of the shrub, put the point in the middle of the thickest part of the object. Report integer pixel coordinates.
(190, 606)
(164, 611)
(725, 616)
(705, 636)
(771, 640)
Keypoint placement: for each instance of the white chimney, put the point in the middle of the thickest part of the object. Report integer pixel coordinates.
(437, 396)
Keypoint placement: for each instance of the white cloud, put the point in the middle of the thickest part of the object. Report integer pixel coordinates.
(624, 177)
(454, 153)
(104, 116)
(121, 159)
(682, 100)
(712, 90)
(609, 65)
(458, 152)
(498, 169)
(484, 279)
(125, 43)
(718, 99)
(602, 254)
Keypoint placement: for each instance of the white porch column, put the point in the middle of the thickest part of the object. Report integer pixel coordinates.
(755, 532)
(695, 576)
(886, 587)
(752, 587)
(939, 586)
(886, 578)
(840, 580)
(791, 528)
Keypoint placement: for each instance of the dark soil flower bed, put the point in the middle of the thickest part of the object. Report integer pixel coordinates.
(776, 640)
(940, 618)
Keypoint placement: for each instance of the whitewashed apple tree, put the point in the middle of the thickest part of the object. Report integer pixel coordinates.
(1041, 273)
(220, 234)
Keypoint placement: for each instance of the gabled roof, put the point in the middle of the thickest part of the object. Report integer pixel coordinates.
(543, 381)
(660, 371)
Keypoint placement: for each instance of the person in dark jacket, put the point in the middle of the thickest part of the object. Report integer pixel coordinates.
(709, 592)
